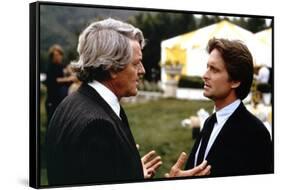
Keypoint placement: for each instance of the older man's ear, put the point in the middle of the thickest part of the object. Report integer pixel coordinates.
(112, 74)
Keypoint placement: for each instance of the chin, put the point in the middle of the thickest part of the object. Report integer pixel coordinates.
(132, 93)
(206, 95)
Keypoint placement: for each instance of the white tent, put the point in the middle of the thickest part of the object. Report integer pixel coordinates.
(264, 51)
(190, 49)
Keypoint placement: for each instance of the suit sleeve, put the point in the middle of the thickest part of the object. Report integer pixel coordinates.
(262, 152)
(267, 152)
(98, 152)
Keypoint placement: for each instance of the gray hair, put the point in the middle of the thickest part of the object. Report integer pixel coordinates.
(103, 46)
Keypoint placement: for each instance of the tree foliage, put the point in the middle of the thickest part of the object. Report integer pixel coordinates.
(256, 24)
(63, 25)
(157, 27)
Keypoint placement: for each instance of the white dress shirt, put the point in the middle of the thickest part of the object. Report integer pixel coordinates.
(222, 116)
(110, 98)
(263, 75)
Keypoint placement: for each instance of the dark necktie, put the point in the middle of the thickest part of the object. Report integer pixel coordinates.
(206, 133)
(123, 116)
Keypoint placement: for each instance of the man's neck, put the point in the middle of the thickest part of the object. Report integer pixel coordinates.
(110, 98)
(221, 103)
(111, 87)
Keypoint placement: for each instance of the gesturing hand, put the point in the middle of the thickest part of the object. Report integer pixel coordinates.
(199, 170)
(150, 163)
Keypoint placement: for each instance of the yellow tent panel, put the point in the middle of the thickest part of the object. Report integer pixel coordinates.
(189, 49)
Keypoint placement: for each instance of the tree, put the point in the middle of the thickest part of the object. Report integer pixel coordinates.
(157, 27)
(205, 21)
(241, 21)
(256, 24)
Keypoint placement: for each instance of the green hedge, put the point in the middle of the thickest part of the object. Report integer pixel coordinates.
(149, 86)
(191, 82)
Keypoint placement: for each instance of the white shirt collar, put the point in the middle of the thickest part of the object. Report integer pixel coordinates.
(224, 113)
(222, 116)
(110, 98)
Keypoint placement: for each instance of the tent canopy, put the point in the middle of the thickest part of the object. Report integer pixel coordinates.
(265, 37)
(264, 49)
(189, 49)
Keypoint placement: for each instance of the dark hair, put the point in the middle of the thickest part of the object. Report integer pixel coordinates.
(238, 62)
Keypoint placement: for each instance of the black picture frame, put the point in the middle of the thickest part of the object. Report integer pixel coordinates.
(35, 67)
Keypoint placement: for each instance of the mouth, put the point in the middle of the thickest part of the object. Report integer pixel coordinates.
(206, 85)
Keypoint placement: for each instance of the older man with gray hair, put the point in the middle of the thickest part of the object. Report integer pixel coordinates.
(88, 138)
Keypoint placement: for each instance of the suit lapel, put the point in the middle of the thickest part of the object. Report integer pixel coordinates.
(223, 134)
(191, 159)
(94, 95)
(126, 126)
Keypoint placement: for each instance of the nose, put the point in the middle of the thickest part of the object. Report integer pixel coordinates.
(141, 70)
(206, 75)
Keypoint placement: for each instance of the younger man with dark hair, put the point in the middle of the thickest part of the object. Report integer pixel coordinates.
(233, 141)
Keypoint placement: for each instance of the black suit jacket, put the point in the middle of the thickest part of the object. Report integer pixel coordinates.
(88, 143)
(242, 147)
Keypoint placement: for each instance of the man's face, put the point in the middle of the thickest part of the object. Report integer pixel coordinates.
(217, 85)
(126, 81)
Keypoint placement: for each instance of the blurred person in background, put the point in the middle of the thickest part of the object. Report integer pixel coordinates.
(76, 83)
(57, 83)
(263, 74)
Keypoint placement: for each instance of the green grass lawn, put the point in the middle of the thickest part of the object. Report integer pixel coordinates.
(155, 126)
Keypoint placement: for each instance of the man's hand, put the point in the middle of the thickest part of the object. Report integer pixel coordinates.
(150, 163)
(200, 170)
